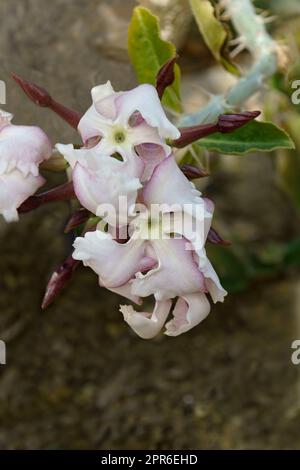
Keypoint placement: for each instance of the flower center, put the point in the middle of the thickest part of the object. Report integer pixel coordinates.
(119, 137)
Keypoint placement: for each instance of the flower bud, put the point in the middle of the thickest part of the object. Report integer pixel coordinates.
(165, 76)
(58, 280)
(216, 239)
(226, 123)
(41, 97)
(193, 172)
(76, 219)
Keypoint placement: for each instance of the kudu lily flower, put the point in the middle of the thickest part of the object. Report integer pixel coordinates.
(154, 245)
(22, 149)
(131, 125)
(163, 257)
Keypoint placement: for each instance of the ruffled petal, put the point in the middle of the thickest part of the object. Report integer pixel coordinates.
(125, 291)
(212, 281)
(144, 324)
(108, 192)
(15, 188)
(174, 194)
(177, 273)
(144, 99)
(92, 158)
(133, 163)
(5, 118)
(115, 263)
(23, 148)
(84, 156)
(193, 227)
(188, 312)
(99, 117)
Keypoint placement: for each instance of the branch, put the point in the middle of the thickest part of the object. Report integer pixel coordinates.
(254, 36)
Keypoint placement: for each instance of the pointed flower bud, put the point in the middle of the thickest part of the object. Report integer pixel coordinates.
(78, 218)
(62, 276)
(231, 122)
(165, 76)
(58, 280)
(41, 97)
(226, 123)
(193, 172)
(216, 239)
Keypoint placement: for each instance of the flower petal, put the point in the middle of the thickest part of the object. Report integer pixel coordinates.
(93, 124)
(24, 148)
(72, 155)
(144, 99)
(125, 291)
(143, 133)
(177, 273)
(149, 146)
(133, 164)
(212, 281)
(15, 188)
(92, 158)
(102, 91)
(173, 193)
(5, 118)
(108, 192)
(147, 325)
(115, 263)
(189, 311)
(168, 185)
(152, 155)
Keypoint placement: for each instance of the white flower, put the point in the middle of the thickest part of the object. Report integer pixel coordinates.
(22, 149)
(124, 121)
(130, 126)
(151, 264)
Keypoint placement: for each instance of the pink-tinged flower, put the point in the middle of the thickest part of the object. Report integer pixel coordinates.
(99, 181)
(164, 256)
(22, 149)
(131, 124)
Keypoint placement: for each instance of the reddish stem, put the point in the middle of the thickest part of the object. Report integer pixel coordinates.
(63, 192)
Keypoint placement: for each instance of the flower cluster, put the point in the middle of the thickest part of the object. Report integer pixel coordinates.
(162, 253)
(144, 225)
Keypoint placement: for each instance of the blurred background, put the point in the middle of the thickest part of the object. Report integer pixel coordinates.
(76, 377)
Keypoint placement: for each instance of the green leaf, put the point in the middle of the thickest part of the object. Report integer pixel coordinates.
(213, 32)
(254, 136)
(148, 52)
